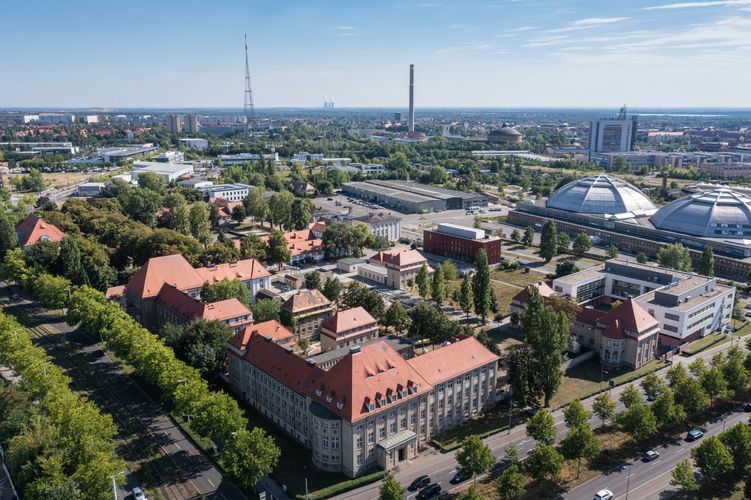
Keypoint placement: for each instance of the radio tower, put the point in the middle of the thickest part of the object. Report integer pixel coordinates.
(248, 104)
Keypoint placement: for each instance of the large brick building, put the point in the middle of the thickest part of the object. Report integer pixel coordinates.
(461, 243)
(372, 409)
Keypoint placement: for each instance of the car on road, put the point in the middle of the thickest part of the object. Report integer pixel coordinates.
(747, 407)
(499, 467)
(138, 494)
(694, 434)
(603, 495)
(650, 455)
(431, 491)
(460, 477)
(652, 397)
(419, 482)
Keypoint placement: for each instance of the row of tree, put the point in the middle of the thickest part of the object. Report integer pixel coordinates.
(246, 455)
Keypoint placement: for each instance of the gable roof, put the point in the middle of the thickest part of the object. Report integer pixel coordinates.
(627, 316)
(451, 360)
(272, 329)
(375, 373)
(190, 308)
(299, 242)
(542, 287)
(399, 257)
(243, 270)
(348, 319)
(172, 269)
(304, 300)
(33, 229)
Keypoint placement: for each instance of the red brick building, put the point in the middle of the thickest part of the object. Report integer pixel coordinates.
(461, 243)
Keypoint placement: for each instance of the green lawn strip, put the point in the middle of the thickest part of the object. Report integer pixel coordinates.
(704, 343)
(205, 444)
(342, 487)
(484, 425)
(744, 330)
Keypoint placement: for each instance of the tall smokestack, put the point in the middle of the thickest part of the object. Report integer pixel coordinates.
(411, 98)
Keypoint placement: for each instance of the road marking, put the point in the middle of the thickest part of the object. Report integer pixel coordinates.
(211, 482)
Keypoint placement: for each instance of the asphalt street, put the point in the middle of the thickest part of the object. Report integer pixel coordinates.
(147, 438)
(442, 467)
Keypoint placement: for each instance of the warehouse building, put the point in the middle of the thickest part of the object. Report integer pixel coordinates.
(412, 197)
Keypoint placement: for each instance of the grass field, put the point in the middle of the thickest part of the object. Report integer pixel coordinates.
(704, 343)
(61, 179)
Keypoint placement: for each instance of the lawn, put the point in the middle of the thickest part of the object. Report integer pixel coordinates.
(61, 179)
(584, 380)
(517, 277)
(484, 425)
(704, 343)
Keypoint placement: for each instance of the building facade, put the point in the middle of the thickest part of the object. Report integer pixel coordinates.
(348, 328)
(461, 243)
(401, 266)
(307, 309)
(613, 135)
(381, 224)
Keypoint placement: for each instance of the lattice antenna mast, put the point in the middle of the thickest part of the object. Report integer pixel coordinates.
(248, 107)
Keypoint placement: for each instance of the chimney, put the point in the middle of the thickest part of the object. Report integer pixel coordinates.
(411, 98)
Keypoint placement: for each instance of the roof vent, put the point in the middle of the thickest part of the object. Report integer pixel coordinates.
(355, 349)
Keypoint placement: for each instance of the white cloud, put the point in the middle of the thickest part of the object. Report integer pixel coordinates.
(691, 5)
(524, 28)
(590, 22)
(344, 28)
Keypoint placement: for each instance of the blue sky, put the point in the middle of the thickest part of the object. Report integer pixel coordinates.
(478, 53)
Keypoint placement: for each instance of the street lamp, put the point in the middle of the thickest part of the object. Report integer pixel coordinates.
(114, 484)
(184, 381)
(628, 480)
(603, 371)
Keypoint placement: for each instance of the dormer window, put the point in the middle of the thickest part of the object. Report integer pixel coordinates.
(319, 392)
(382, 402)
(340, 405)
(329, 399)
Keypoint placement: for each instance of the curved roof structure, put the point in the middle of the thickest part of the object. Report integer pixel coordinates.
(717, 213)
(506, 130)
(600, 194)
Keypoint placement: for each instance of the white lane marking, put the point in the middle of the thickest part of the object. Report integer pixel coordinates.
(211, 482)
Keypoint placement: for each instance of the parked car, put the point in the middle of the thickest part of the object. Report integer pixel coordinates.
(652, 397)
(694, 434)
(419, 482)
(650, 455)
(747, 407)
(431, 491)
(603, 495)
(460, 477)
(138, 494)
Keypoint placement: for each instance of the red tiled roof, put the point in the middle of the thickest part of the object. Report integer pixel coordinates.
(33, 229)
(348, 319)
(317, 227)
(627, 316)
(451, 360)
(541, 286)
(243, 270)
(272, 329)
(189, 308)
(304, 300)
(368, 376)
(300, 242)
(589, 316)
(171, 269)
(399, 257)
(115, 292)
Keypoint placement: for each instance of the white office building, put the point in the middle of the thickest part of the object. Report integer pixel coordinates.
(229, 192)
(194, 143)
(614, 134)
(168, 172)
(240, 158)
(170, 157)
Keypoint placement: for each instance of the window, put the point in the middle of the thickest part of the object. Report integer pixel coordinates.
(392, 427)
(382, 432)
(359, 459)
(325, 441)
(371, 437)
(359, 442)
(404, 423)
(335, 443)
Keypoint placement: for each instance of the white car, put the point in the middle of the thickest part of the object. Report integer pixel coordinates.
(138, 494)
(604, 495)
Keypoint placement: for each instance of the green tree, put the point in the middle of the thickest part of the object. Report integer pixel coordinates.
(652, 385)
(390, 488)
(544, 462)
(528, 238)
(140, 204)
(510, 483)
(256, 204)
(253, 247)
(613, 252)
(582, 244)
(332, 288)
(313, 280)
(604, 407)
(541, 427)
(516, 235)
(426, 321)
(564, 242)
(713, 458)
(8, 237)
(277, 250)
(202, 345)
(641, 258)
(575, 415)
(342, 240)
(238, 213)
(33, 181)
(200, 226)
(565, 267)
(438, 288)
(423, 281)
(280, 209)
(474, 457)
(690, 394)
(683, 476)
(42, 255)
(669, 415)
(70, 261)
(548, 241)
(465, 295)
(511, 453)
(706, 263)
(470, 494)
(481, 289)
(737, 439)
(674, 256)
(248, 456)
(449, 270)
(226, 289)
(300, 213)
(266, 310)
(630, 397)
(735, 372)
(396, 317)
(639, 422)
(714, 383)
(580, 442)
(151, 181)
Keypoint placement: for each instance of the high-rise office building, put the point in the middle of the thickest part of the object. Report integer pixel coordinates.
(174, 124)
(192, 124)
(614, 134)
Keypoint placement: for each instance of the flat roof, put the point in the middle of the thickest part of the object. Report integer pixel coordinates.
(586, 274)
(393, 193)
(694, 301)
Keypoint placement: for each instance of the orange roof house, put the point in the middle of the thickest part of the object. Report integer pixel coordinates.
(34, 229)
(348, 327)
(242, 270)
(449, 361)
(178, 307)
(301, 244)
(271, 329)
(172, 269)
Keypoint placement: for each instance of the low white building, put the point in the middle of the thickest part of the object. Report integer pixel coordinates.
(195, 183)
(688, 306)
(229, 192)
(170, 157)
(240, 158)
(381, 224)
(90, 189)
(194, 143)
(168, 172)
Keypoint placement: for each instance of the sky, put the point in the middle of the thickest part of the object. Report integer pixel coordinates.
(467, 53)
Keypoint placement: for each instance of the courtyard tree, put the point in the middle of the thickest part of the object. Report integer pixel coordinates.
(423, 281)
(548, 241)
(481, 289)
(674, 256)
(706, 263)
(465, 295)
(582, 244)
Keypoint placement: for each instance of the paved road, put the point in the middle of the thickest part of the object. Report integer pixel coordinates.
(651, 479)
(441, 467)
(148, 440)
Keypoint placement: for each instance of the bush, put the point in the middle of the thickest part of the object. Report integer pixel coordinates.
(342, 487)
